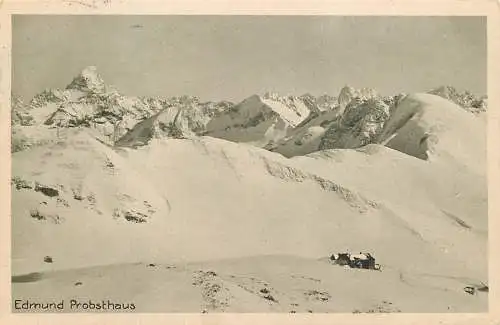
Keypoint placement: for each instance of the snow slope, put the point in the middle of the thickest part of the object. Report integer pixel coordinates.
(70, 197)
(426, 196)
(206, 192)
(429, 127)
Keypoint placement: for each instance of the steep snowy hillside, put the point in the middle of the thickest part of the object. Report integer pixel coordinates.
(261, 120)
(432, 128)
(70, 196)
(168, 123)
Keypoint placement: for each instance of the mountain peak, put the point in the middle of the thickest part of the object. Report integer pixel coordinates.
(88, 80)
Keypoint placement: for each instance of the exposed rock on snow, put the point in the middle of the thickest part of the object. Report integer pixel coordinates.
(361, 124)
(47, 190)
(131, 215)
(80, 181)
(42, 214)
(296, 175)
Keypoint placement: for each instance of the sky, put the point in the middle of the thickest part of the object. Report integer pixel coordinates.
(233, 57)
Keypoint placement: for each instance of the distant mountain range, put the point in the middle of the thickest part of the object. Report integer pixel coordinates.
(291, 125)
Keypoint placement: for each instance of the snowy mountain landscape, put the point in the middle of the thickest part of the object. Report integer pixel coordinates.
(181, 205)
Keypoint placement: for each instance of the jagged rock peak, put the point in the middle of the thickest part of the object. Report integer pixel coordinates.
(347, 93)
(360, 124)
(88, 80)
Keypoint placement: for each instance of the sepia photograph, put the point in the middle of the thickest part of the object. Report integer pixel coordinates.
(249, 164)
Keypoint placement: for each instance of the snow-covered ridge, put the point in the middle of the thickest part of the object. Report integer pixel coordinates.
(147, 204)
(429, 127)
(359, 119)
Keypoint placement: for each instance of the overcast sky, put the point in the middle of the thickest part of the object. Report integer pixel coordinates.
(232, 57)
